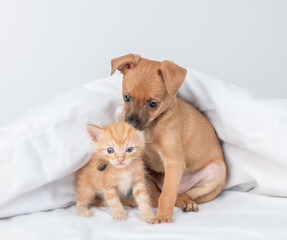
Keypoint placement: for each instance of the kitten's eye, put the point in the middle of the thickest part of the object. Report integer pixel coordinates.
(110, 150)
(152, 104)
(127, 98)
(129, 149)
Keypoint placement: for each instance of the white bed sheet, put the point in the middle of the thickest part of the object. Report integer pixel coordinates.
(233, 215)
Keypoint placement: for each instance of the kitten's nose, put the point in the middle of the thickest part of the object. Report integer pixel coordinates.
(120, 160)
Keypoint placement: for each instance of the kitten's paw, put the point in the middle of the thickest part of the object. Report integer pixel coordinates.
(120, 216)
(84, 212)
(147, 216)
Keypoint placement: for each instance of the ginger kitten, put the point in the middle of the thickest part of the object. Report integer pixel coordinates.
(115, 168)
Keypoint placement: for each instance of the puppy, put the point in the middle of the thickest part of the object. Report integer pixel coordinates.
(182, 149)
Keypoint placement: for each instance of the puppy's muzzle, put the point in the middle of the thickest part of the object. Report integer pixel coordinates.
(134, 120)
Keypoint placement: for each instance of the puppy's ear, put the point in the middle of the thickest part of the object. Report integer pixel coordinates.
(95, 132)
(173, 76)
(125, 63)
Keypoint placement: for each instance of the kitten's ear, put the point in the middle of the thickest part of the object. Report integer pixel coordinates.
(95, 132)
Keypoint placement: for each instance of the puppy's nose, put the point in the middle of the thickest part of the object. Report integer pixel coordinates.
(134, 121)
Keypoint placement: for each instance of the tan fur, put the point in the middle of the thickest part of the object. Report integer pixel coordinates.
(180, 141)
(115, 180)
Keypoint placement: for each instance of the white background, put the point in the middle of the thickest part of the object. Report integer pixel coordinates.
(48, 47)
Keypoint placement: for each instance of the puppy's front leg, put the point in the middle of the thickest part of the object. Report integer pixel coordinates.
(173, 173)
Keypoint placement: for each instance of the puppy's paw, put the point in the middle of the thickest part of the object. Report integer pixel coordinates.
(84, 212)
(120, 216)
(147, 216)
(161, 219)
(184, 202)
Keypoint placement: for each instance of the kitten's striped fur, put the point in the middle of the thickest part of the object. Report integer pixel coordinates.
(125, 170)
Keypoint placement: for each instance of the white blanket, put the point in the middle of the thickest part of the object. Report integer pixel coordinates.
(40, 152)
(233, 215)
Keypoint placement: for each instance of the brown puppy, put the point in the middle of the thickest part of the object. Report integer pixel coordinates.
(181, 144)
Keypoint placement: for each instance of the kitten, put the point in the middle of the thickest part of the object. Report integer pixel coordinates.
(114, 169)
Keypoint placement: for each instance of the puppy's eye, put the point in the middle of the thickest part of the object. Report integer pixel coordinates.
(129, 149)
(152, 104)
(110, 150)
(127, 98)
